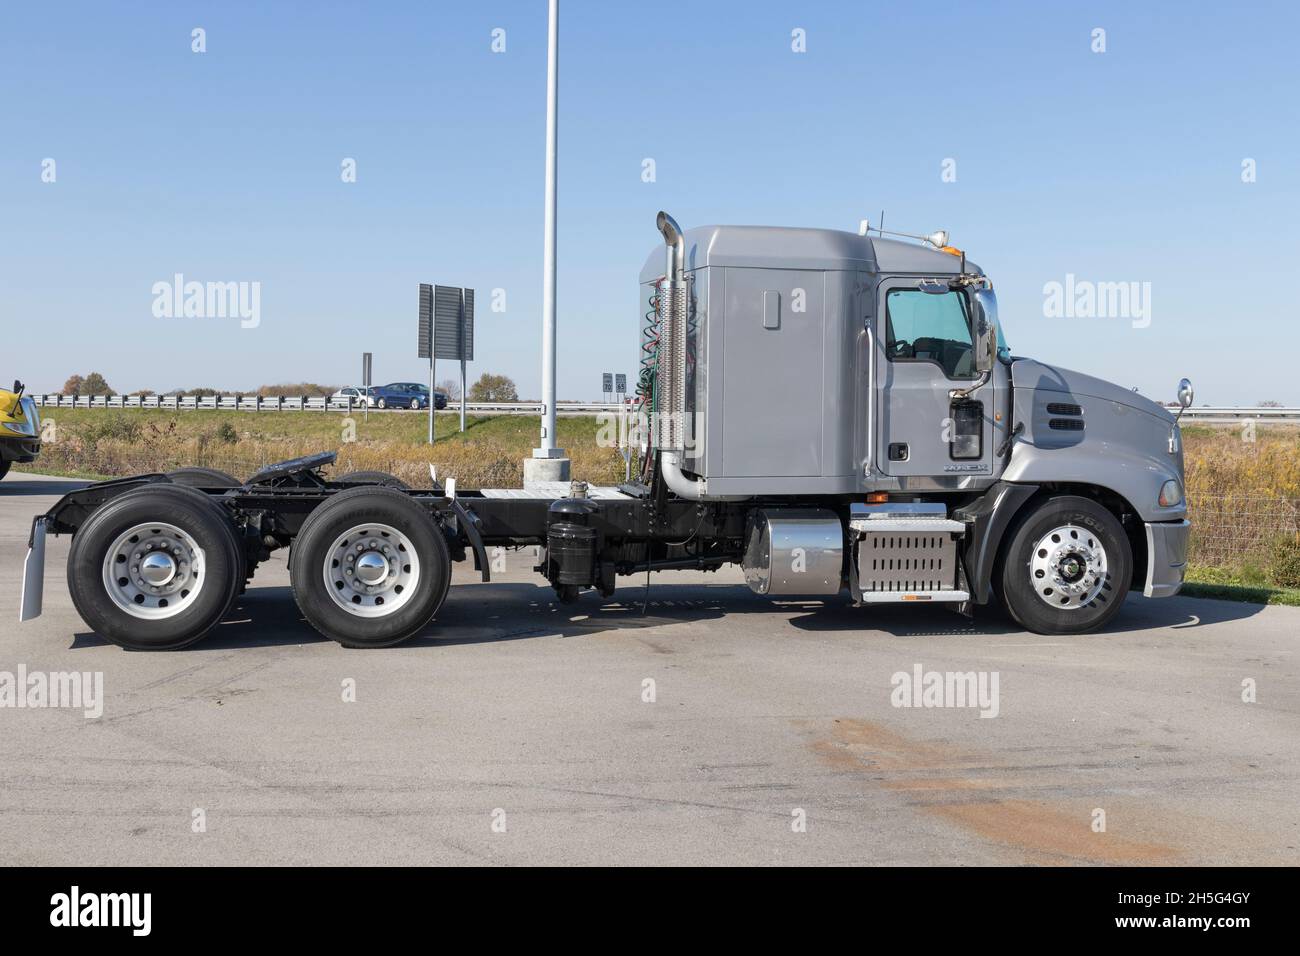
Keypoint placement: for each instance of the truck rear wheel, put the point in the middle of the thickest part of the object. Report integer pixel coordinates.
(203, 478)
(372, 478)
(1066, 567)
(156, 568)
(370, 567)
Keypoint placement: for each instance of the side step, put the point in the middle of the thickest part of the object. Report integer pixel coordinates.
(901, 597)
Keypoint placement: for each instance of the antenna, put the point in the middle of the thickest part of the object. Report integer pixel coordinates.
(937, 239)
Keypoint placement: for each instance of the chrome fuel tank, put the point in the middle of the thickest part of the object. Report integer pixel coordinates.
(794, 551)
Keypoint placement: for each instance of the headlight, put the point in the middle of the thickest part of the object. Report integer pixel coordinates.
(1171, 494)
(19, 428)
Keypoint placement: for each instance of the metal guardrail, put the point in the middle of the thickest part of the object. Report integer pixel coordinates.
(1239, 414)
(253, 403)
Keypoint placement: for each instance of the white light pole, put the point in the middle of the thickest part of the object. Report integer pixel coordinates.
(548, 461)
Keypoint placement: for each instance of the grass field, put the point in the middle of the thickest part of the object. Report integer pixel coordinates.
(1243, 493)
(1243, 488)
(1230, 584)
(98, 443)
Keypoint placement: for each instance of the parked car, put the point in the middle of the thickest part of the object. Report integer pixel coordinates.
(439, 397)
(411, 395)
(359, 394)
(20, 428)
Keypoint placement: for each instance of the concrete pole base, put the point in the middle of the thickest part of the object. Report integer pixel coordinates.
(545, 469)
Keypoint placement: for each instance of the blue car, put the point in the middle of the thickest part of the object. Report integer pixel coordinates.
(410, 395)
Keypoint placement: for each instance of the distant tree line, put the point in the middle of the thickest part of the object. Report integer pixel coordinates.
(95, 384)
(489, 388)
(493, 388)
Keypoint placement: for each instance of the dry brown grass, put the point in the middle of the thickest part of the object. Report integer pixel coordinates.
(489, 453)
(1243, 496)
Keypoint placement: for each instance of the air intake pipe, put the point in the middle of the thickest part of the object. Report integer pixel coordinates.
(670, 373)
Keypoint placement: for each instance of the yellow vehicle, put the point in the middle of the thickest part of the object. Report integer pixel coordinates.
(20, 428)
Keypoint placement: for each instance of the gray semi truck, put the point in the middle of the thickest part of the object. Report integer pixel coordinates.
(836, 413)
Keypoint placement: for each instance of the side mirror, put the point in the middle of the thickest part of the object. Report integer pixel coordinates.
(1185, 396)
(986, 330)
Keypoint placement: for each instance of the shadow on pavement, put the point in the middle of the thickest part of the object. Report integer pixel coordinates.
(511, 611)
(262, 617)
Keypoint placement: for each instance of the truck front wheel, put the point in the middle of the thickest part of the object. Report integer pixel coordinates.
(370, 567)
(155, 568)
(1065, 569)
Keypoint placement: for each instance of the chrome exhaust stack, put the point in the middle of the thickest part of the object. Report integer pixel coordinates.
(670, 373)
(670, 369)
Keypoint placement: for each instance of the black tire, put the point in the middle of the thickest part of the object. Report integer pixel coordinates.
(415, 404)
(373, 478)
(203, 478)
(4, 468)
(313, 549)
(206, 522)
(1029, 595)
(381, 403)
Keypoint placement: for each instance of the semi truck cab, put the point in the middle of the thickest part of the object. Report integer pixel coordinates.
(867, 381)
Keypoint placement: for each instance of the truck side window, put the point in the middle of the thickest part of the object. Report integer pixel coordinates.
(920, 327)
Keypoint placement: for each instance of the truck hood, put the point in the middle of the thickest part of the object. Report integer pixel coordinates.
(1028, 373)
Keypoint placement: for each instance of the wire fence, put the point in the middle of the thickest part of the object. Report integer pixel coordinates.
(1231, 531)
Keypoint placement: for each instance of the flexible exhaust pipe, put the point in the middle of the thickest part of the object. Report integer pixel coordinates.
(671, 368)
(670, 384)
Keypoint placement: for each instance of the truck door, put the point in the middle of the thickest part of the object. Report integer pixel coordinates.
(924, 350)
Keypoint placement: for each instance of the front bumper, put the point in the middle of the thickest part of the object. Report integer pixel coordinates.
(1166, 557)
(19, 449)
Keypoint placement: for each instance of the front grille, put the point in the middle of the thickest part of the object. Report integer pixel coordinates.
(1066, 424)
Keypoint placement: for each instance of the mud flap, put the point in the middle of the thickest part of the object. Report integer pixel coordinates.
(469, 523)
(34, 572)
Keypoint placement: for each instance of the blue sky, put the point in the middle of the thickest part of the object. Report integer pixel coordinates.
(225, 166)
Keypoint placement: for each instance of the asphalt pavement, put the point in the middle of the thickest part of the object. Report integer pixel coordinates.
(695, 723)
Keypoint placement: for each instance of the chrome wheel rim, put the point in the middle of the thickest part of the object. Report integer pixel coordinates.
(1068, 567)
(154, 571)
(371, 570)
